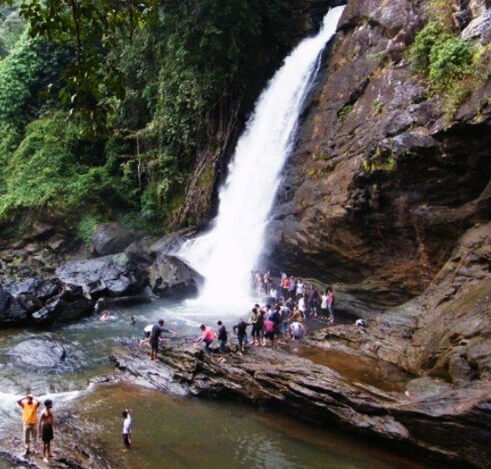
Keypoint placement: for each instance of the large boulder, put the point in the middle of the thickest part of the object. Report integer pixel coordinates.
(112, 238)
(11, 311)
(171, 277)
(39, 352)
(68, 306)
(115, 275)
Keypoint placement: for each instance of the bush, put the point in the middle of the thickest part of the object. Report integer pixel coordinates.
(450, 61)
(430, 36)
(46, 174)
(85, 227)
(24, 73)
(440, 56)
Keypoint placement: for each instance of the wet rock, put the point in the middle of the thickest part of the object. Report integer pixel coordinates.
(171, 242)
(171, 277)
(113, 238)
(38, 353)
(11, 311)
(116, 275)
(62, 310)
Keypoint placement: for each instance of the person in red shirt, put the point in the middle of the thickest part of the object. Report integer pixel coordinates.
(207, 337)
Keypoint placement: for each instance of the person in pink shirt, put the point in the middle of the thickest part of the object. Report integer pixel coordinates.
(207, 337)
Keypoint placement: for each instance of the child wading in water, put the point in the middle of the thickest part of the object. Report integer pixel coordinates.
(46, 425)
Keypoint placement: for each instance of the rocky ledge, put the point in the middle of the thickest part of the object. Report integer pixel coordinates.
(437, 418)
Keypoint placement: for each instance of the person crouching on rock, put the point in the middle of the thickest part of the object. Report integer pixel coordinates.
(207, 337)
(241, 331)
(46, 427)
(297, 330)
(29, 406)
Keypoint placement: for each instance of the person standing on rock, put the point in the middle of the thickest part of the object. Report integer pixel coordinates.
(127, 428)
(29, 406)
(157, 329)
(222, 337)
(241, 330)
(46, 427)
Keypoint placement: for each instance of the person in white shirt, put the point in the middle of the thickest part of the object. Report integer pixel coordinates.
(300, 288)
(297, 330)
(302, 306)
(127, 429)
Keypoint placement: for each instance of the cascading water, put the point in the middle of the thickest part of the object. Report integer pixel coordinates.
(228, 253)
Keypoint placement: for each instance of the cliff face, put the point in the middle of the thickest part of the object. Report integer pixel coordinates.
(387, 175)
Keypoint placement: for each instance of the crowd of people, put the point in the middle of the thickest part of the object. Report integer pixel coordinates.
(289, 302)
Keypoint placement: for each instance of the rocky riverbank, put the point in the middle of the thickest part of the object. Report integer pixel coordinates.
(441, 420)
(127, 267)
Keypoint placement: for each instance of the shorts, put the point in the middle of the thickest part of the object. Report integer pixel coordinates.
(257, 331)
(30, 434)
(47, 432)
(269, 335)
(154, 344)
(126, 439)
(242, 339)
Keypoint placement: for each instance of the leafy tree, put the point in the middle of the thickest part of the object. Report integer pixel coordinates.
(90, 27)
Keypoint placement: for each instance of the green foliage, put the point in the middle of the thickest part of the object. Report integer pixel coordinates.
(380, 162)
(345, 111)
(440, 56)
(167, 80)
(451, 60)
(45, 173)
(30, 67)
(85, 227)
(90, 28)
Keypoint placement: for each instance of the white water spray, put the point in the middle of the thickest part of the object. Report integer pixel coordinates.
(228, 253)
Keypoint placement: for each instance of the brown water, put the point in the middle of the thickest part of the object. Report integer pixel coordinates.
(176, 433)
(359, 369)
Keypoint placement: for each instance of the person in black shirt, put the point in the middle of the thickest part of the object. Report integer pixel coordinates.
(222, 336)
(157, 329)
(241, 331)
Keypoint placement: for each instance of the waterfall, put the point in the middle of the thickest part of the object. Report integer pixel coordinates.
(228, 253)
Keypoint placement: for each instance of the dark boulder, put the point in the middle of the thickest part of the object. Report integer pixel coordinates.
(115, 275)
(11, 311)
(63, 310)
(39, 352)
(112, 238)
(170, 276)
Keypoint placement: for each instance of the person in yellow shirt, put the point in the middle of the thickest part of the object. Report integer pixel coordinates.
(29, 406)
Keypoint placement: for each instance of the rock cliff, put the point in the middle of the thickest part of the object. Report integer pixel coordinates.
(387, 174)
